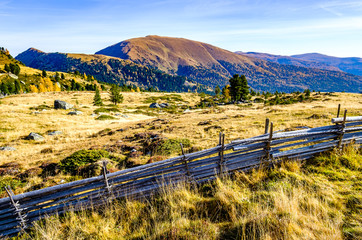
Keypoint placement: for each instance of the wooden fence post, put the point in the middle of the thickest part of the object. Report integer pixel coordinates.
(266, 125)
(341, 131)
(339, 109)
(105, 178)
(268, 143)
(221, 153)
(184, 159)
(21, 217)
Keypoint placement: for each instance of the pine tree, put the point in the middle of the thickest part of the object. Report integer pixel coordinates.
(97, 100)
(116, 96)
(44, 73)
(17, 86)
(239, 87)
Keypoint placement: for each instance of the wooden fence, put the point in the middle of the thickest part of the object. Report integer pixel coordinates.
(18, 212)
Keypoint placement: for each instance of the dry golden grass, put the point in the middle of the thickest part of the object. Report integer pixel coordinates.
(17, 121)
(290, 202)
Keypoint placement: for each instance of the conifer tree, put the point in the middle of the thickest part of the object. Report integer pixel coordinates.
(239, 87)
(97, 100)
(116, 96)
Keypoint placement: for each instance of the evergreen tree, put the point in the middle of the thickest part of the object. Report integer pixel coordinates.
(239, 87)
(62, 76)
(116, 96)
(17, 86)
(97, 100)
(44, 73)
(57, 76)
(7, 68)
(217, 90)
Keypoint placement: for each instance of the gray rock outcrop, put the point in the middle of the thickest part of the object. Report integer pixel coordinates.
(58, 104)
(35, 137)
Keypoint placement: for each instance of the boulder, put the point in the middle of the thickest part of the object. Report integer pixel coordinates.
(155, 105)
(164, 105)
(58, 104)
(7, 148)
(35, 137)
(75, 113)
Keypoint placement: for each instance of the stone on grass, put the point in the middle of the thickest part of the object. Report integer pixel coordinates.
(7, 148)
(35, 137)
(155, 105)
(75, 113)
(53, 133)
(58, 104)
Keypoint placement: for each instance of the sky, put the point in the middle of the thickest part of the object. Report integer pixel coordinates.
(282, 27)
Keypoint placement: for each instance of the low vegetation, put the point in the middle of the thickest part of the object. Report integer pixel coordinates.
(319, 199)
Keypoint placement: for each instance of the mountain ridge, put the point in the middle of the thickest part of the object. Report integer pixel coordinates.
(213, 66)
(193, 61)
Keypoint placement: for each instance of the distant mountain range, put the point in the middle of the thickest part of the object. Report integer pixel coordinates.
(351, 65)
(196, 63)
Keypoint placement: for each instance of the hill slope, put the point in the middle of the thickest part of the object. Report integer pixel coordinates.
(351, 65)
(107, 69)
(213, 66)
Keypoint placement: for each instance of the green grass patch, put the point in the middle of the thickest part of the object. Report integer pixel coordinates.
(169, 98)
(81, 158)
(105, 117)
(106, 110)
(171, 146)
(41, 107)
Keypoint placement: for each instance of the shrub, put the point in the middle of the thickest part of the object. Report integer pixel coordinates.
(81, 158)
(105, 117)
(106, 110)
(170, 146)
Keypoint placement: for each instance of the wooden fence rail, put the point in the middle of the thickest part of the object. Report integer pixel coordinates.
(18, 212)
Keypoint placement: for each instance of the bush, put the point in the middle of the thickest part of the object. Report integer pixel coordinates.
(81, 158)
(170, 146)
(105, 117)
(106, 110)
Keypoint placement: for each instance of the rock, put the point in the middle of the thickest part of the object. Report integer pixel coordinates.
(75, 113)
(1, 96)
(125, 116)
(58, 104)
(36, 112)
(94, 115)
(35, 137)
(53, 133)
(187, 111)
(7, 148)
(13, 76)
(155, 105)
(207, 122)
(164, 105)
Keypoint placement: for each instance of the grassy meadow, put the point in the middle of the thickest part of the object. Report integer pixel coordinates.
(318, 199)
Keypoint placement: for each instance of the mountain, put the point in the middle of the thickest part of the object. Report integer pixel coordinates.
(211, 66)
(351, 65)
(290, 60)
(108, 69)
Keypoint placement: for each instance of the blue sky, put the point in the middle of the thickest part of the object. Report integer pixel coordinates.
(285, 27)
